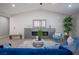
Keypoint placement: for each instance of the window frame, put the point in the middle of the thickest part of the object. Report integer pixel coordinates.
(40, 22)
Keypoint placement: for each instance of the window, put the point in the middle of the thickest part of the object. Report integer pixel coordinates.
(36, 23)
(39, 23)
(43, 23)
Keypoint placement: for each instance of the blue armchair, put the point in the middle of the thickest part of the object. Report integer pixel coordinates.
(58, 36)
(76, 42)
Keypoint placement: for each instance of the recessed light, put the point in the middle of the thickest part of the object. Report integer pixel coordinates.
(13, 5)
(69, 5)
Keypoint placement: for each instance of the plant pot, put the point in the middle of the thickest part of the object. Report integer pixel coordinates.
(39, 38)
(67, 35)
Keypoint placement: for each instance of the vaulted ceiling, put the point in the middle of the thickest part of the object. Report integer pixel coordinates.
(15, 8)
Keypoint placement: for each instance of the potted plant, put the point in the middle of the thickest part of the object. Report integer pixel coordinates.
(67, 25)
(38, 43)
(40, 34)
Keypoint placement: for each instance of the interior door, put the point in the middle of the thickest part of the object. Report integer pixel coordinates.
(4, 26)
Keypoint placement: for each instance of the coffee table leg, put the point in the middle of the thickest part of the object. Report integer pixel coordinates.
(10, 37)
(20, 36)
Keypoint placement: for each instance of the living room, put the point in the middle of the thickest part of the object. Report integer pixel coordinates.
(22, 23)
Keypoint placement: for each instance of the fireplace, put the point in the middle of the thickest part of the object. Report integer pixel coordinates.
(31, 33)
(34, 33)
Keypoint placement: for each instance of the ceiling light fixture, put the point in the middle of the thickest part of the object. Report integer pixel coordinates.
(69, 5)
(13, 5)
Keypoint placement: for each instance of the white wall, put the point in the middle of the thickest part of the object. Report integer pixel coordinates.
(24, 20)
(4, 14)
(76, 24)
